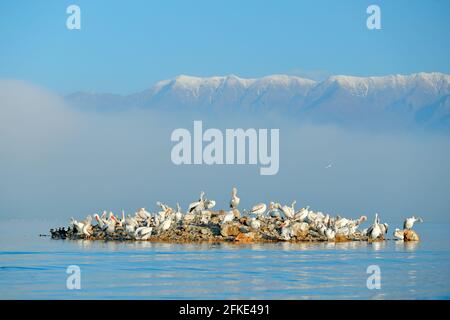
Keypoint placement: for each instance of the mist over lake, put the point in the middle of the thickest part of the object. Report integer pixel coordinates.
(61, 161)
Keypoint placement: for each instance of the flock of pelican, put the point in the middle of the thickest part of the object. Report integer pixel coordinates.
(284, 221)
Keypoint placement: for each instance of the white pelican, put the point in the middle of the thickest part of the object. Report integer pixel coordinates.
(259, 209)
(286, 230)
(321, 228)
(163, 206)
(143, 233)
(87, 226)
(229, 216)
(188, 217)
(384, 228)
(375, 231)
(143, 214)
(255, 223)
(344, 231)
(289, 211)
(206, 215)
(122, 220)
(409, 222)
(111, 225)
(165, 225)
(399, 234)
(178, 213)
(209, 204)
(330, 234)
(234, 202)
(100, 221)
(78, 226)
(198, 205)
(130, 229)
(273, 210)
(301, 214)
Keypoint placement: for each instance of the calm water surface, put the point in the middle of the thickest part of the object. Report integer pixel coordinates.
(33, 267)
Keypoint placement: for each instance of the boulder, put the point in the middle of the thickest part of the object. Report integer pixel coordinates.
(411, 235)
(245, 237)
(228, 230)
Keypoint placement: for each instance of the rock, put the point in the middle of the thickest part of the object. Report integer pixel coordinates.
(243, 229)
(236, 213)
(204, 230)
(410, 235)
(341, 238)
(245, 237)
(228, 230)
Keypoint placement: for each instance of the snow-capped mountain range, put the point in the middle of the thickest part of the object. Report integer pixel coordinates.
(416, 99)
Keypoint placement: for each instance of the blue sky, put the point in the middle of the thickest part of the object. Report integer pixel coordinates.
(125, 46)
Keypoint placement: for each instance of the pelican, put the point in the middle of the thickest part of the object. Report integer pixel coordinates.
(122, 220)
(143, 214)
(409, 222)
(198, 205)
(178, 213)
(289, 211)
(206, 215)
(78, 226)
(273, 210)
(234, 202)
(375, 231)
(130, 221)
(209, 204)
(344, 231)
(163, 206)
(100, 222)
(165, 225)
(111, 225)
(399, 234)
(286, 230)
(330, 234)
(301, 214)
(130, 229)
(259, 209)
(143, 233)
(87, 226)
(255, 223)
(229, 216)
(188, 217)
(384, 228)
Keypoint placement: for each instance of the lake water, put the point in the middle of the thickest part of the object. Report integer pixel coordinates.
(33, 267)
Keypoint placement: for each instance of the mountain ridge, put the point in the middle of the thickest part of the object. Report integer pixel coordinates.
(403, 98)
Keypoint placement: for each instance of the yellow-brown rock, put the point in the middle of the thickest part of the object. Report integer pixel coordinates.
(245, 237)
(228, 230)
(411, 235)
(341, 238)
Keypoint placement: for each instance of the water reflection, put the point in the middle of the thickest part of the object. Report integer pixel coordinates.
(223, 270)
(378, 245)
